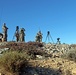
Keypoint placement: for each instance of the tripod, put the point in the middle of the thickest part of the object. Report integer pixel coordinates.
(58, 41)
(48, 37)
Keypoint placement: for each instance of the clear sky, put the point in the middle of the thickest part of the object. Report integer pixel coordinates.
(56, 16)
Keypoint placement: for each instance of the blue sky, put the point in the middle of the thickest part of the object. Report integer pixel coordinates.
(56, 16)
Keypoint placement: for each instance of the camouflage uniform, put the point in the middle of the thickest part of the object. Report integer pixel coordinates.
(4, 32)
(17, 36)
(17, 33)
(39, 37)
(22, 35)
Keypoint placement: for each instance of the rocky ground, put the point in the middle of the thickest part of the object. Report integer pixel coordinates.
(54, 64)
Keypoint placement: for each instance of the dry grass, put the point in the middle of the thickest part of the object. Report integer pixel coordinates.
(13, 61)
(71, 54)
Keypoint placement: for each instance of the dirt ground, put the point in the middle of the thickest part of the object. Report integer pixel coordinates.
(58, 65)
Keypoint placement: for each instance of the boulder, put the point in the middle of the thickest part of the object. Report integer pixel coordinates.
(74, 71)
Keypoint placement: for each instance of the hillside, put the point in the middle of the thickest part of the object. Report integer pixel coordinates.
(44, 59)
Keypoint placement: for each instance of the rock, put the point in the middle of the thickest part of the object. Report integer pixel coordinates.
(4, 49)
(2, 74)
(68, 72)
(74, 71)
(3, 43)
(61, 70)
(39, 56)
(59, 64)
(55, 51)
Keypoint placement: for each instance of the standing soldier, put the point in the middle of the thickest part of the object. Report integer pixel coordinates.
(17, 33)
(39, 37)
(4, 27)
(22, 35)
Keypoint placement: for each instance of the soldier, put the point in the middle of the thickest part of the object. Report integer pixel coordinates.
(1, 36)
(17, 33)
(39, 37)
(4, 27)
(22, 35)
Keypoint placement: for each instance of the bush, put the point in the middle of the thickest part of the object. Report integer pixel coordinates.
(22, 46)
(71, 55)
(14, 61)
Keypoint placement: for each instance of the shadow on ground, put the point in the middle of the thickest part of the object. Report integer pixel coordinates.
(40, 71)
